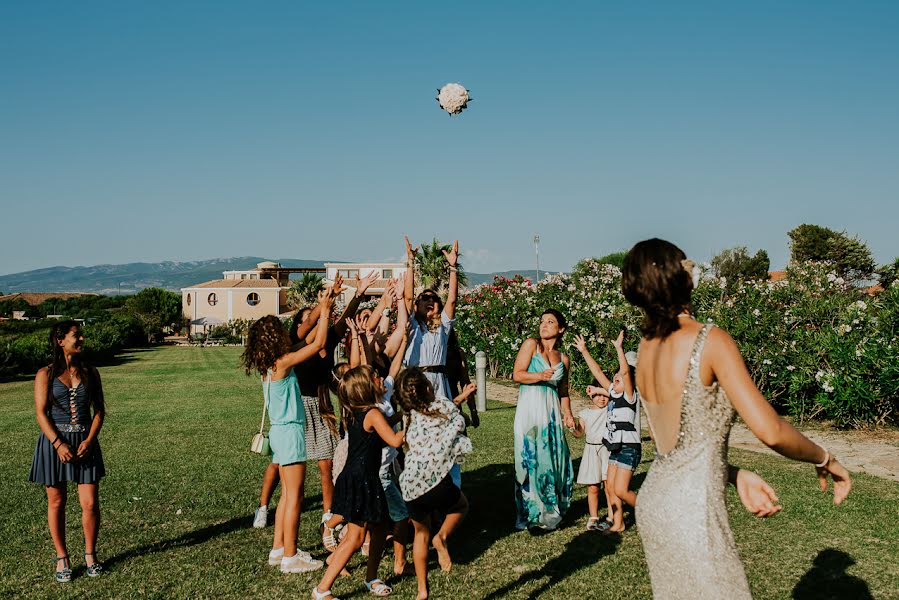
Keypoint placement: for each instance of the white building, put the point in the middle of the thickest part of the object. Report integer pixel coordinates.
(349, 271)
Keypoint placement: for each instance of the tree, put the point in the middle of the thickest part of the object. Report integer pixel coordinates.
(888, 273)
(431, 267)
(615, 258)
(850, 256)
(304, 291)
(155, 308)
(735, 264)
(810, 242)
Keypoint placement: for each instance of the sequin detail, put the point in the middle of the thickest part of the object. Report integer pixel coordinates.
(70, 427)
(681, 511)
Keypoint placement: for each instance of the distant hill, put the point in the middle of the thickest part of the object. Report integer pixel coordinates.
(171, 275)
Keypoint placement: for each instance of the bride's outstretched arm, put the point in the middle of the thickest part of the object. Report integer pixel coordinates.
(730, 371)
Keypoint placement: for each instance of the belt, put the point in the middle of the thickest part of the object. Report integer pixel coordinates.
(434, 369)
(70, 427)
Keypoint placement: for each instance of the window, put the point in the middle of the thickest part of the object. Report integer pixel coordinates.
(348, 273)
(212, 299)
(243, 275)
(188, 299)
(252, 298)
(387, 273)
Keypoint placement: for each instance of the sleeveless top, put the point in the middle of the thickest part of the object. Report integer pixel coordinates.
(70, 405)
(681, 512)
(285, 404)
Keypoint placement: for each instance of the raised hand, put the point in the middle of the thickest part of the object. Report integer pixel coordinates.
(619, 340)
(592, 390)
(452, 257)
(756, 495)
(364, 283)
(390, 290)
(842, 483)
(351, 324)
(337, 287)
(410, 251)
(580, 343)
(326, 299)
(399, 287)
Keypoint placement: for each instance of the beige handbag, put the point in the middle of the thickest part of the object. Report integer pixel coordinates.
(260, 444)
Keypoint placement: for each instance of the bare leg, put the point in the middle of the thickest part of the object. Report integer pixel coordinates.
(622, 487)
(420, 557)
(340, 558)
(607, 487)
(325, 468)
(288, 514)
(377, 536)
(615, 508)
(89, 497)
(56, 519)
(453, 518)
(593, 500)
(400, 539)
(269, 484)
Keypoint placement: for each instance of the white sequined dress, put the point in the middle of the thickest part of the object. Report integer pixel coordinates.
(681, 511)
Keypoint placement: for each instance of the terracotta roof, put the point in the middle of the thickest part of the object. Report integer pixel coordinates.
(37, 298)
(874, 289)
(236, 283)
(776, 275)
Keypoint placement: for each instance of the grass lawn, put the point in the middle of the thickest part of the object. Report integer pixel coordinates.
(182, 486)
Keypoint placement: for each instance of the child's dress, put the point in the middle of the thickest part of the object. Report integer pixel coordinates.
(595, 460)
(358, 493)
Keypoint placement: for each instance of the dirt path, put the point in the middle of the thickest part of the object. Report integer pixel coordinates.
(876, 453)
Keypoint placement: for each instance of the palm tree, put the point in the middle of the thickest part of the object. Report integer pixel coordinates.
(431, 267)
(304, 291)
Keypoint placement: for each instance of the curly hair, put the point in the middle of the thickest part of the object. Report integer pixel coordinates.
(654, 279)
(415, 392)
(267, 341)
(356, 392)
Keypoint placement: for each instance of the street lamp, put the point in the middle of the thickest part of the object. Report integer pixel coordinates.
(537, 252)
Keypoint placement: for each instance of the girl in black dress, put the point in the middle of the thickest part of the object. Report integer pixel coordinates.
(358, 494)
(66, 393)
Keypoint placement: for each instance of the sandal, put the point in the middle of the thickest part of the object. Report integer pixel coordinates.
(323, 595)
(331, 537)
(94, 569)
(378, 588)
(64, 576)
(593, 524)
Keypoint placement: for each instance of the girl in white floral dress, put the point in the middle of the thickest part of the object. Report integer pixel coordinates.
(435, 442)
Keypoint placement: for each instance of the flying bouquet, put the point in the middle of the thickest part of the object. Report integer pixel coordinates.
(453, 98)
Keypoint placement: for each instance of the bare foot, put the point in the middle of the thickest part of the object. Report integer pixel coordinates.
(422, 595)
(343, 572)
(443, 557)
(614, 529)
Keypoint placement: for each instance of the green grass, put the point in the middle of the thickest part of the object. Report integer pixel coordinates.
(178, 427)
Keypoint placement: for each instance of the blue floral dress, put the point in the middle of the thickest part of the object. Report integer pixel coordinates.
(544, 476)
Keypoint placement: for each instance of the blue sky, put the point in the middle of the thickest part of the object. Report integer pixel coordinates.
(146, 131)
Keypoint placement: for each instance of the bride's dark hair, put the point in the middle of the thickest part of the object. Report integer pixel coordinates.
(655, 279)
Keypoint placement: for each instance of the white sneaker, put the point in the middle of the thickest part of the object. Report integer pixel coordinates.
(297, 564)
(275, 556)
(260, 518)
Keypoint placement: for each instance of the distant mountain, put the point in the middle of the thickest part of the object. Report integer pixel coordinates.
(133, 277)
(172, 275)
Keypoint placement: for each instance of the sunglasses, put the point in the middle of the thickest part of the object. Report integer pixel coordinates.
(428, 297)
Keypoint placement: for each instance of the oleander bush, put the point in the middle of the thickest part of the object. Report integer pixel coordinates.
(817, 346)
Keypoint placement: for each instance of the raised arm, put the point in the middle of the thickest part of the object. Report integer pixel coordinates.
(325, 301)
(520, 373)
(391, 348)
(452, 258)
(377, 315)
(581, 344)
(623, 368)
(730, 371)
(396, 363)
(409, 290)
(355, 355)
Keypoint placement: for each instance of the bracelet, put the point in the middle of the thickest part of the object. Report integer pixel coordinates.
(453, 269)
(53, 443)
(826, 457)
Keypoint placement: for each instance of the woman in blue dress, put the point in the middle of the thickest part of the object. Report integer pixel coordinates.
(544, 477)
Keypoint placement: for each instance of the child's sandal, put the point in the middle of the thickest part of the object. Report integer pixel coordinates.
(94, 569)
(65, 575)
(592, 523)
(317, 595)
(329, 540)
(378, 588)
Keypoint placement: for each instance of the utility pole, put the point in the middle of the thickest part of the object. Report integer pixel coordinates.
(537, 252)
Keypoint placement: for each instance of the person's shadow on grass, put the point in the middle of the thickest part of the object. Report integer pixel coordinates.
(582, 551)
(828, 579)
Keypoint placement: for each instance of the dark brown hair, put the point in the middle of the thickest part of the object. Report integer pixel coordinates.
(563, 324)
(654, 279)
(86, 373)
(414, 391)
(267, 341)
(356, 392)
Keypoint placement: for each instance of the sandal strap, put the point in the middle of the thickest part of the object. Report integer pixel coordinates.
(383, 590)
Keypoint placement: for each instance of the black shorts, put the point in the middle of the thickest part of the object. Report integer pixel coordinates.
(441, 498)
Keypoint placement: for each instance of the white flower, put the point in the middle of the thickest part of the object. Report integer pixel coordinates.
(453, 98)
(791, 368)
(756, 313)
(766, 362)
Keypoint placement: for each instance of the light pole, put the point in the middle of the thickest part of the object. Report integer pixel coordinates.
(537, 252)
